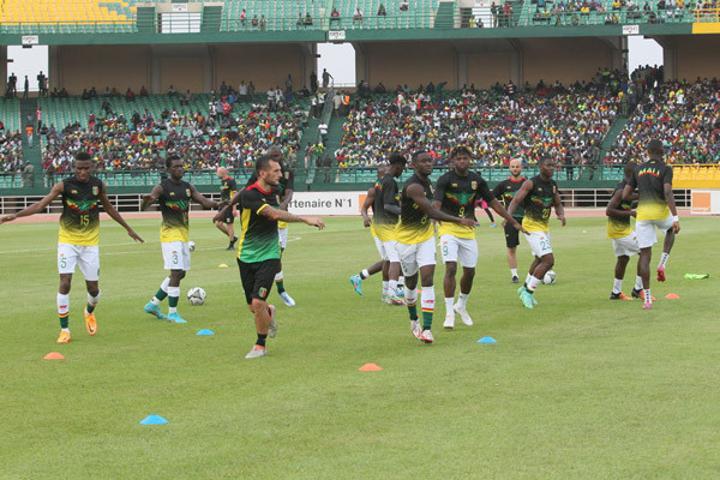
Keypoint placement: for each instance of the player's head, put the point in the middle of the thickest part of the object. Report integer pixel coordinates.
(397, 163)
(83, 166)
(174, 166)
(547, 167)
(461, 156)
(221, 172)
(268, 170)
(422, 162)
(275, 153)
(628, 170)
(655, 149)
(515, 167)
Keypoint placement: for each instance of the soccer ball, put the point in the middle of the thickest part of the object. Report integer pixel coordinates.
(191, 246)
(196, 296)
(549, 278)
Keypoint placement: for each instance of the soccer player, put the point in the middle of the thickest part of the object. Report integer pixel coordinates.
(174, 196)
(624, 238)
(386, 212)
(505, 191)
(538, 196)
(383, 265)
(456, 194)
(228, 187)
(416, 242)
(284, 189)
(259, 252)
(78, 237)
(656, 208)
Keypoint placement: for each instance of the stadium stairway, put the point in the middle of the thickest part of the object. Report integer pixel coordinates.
(31, 154)
(211, 19)
(445, 16)
(615, 129)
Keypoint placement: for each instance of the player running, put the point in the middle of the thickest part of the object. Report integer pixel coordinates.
(624, 238)
(228, 187)
(537, 196)
(416, 242)
(456, 194)
(505, 191)
(78, 237)
(383, 265)
(174, 196)
(259, 252)
(284, 190)
(656, 208)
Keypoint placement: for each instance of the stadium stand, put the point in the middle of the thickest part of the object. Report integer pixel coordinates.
(418, 14)
(260, 15)
(684, 116)
(44, 16)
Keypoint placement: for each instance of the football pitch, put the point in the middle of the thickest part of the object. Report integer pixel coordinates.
(579, 387)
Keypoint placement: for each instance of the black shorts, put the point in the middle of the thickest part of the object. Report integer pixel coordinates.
(229, 216)
(257, 278)
(512, 236)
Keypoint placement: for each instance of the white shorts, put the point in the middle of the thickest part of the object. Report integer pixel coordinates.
(454, 249)
(283, 236)
(539, 243)
(645, 230)
(416, 255)
(87, 257)
(626, 246)
(176, 255)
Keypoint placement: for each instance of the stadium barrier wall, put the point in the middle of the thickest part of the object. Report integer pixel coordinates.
(705, 202)
(339, 203)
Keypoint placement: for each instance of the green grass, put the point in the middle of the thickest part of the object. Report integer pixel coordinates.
(581, 387)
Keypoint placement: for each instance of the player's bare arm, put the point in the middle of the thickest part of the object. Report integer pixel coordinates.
(281, 215)
(369, 201)
(417, 194)
(559, 209)
(627, 193)
(500, 209)
(37, 207)
(152, 197)
(613, 209)
(198, 197)
(667, 189)
(115, 215)
(287, 198)
(519, 197)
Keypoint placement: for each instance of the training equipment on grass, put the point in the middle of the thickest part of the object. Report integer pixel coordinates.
(370, 367)
(672, 296)
(153, 420)
(196, 296)
(487, 341)
(223, 265)
(549, 278)
(205, 332)
(697, 276)
(191, 246)
(54, 356)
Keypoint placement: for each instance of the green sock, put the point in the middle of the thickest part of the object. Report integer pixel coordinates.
(412, 310)
(280, 287)
(161, 294)
(173, 301)
(427, 320)
(90, 308)
(64, 321)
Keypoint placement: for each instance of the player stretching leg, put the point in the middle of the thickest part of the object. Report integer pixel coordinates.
(174, 196)
(228, 187)
(456, 194)
(258, 255)
(656, 208)
(624, 238)
(78, 237)
(505, 191)
(537, 196)
(416, 242)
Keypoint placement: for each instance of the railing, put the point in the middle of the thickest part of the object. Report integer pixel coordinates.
(77, 26)
(547, 16)
(142, 178)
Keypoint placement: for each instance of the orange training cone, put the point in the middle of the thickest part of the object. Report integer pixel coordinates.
(370, 367)
(54, 356)
(672, 296)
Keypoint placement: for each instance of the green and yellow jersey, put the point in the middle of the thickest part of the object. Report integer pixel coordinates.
(538, 204)
(384, 222)
(650, 178)
(228, 187)
(505, 191)
(174, 205)
(415, 225)
(286, 182)
(259, 238)
(80, 219)
(620, 227)
(457, 196)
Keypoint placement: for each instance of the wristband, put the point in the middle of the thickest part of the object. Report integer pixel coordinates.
(676, 219)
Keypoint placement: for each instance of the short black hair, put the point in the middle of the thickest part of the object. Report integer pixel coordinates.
(82, 156)
(263, 162)
(542, 160)
(460, 149)
(417, 154)
(171, 158)
(397, 158)
(655, 146)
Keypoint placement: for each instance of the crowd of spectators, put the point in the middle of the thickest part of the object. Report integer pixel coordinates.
(11, 152)
(684, 116)
(576, 12)
(499, 124)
